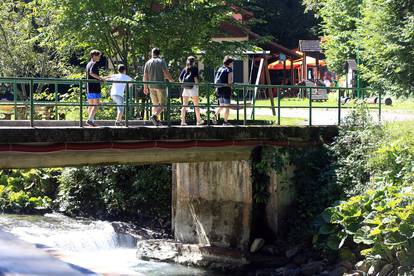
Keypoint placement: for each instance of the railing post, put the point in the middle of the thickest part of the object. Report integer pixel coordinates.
(310, 107)
(168, 105)
(254, 106)
(339, 107)
(56, 101)
(237, 110)
(208, 107)
(80, 104)
(126, 113)
(31, 88)
(278, 105)
(14, 87)
(244, 106)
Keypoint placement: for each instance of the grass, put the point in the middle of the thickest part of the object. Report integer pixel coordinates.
(285, 121)
(398, 105)
(400, 128)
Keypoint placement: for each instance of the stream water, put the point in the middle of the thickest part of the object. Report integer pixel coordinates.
(90, 244)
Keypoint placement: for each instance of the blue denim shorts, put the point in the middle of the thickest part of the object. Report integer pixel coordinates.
(119, 101)
(92, 96)
(224, 101)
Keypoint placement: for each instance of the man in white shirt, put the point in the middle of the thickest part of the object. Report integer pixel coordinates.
(118, 91)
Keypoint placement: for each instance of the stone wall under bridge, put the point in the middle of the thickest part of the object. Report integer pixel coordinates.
(213, 202)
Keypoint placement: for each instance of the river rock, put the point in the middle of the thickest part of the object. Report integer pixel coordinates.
(362, 265)
(160, 250)
(376, 268)
(256, 245)
(348, 266)
(386, 269)
(339, 271)
(301, 258)
(356, 273)
(191, 254)
(292, 252)
(269, 249)
(312, 268)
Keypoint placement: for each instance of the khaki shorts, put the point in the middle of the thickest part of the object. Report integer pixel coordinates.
(158, 97)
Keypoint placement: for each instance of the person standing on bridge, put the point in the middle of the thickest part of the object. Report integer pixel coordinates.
(156, 70)
(224, 76)
(189, 77)
(118, 91)
(93, 89)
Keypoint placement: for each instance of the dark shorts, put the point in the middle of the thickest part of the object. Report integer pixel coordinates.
(224, 101)
(223, 95)
(92, 96)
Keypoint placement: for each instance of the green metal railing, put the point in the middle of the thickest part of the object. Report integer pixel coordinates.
(245, 97)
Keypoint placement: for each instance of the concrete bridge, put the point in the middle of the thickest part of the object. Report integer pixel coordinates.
(212, 183)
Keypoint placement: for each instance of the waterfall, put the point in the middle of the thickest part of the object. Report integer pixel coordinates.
(58, 231)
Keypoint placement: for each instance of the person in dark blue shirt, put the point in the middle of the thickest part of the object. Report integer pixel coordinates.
(224, 76)
(93, 89)
(189, 78)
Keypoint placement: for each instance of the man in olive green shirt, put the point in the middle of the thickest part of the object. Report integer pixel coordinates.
(156, 70)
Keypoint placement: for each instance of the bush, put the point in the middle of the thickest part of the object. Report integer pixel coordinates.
(379, 223)
(116, 191)
(26, 190)
(358, 138)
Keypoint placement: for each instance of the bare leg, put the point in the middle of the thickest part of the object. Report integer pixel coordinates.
(196, 108)
(184, 109)
(119, 116)
(226, 113)
(93, 108)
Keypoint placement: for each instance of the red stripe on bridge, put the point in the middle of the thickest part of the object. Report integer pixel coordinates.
(149, 145)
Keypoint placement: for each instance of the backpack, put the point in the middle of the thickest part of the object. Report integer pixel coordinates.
(187, 80)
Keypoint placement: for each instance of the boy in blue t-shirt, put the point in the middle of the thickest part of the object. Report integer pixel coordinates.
(224, 75)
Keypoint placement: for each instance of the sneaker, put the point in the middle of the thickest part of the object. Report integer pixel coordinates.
(153, 119)
(226, 124)
(90, 123)
(200, 123)
(119, 123)
(183, 123)
(159, 123)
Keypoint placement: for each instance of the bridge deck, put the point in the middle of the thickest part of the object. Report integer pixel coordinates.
(25, 147)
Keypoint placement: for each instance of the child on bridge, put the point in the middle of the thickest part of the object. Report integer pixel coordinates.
(118, 91)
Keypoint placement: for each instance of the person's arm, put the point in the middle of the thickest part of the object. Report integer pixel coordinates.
(96, 76)
(196, 76)
(145, 79)
(230, 79)
(167, 75)
(165, 71)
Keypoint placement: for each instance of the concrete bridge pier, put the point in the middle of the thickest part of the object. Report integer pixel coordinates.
(213, 203)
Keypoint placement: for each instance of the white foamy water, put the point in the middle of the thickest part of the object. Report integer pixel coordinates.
(89, 244)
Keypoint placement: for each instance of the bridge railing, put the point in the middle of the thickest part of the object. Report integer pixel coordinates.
(65, 99)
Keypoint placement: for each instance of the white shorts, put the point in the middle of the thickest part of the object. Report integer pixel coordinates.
(190, 92)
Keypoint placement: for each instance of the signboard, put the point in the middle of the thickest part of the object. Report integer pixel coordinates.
(282, 57)
(310, 46)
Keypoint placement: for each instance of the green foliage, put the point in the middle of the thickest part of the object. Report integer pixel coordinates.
(378, 32)
(264, 160)
(358, 138)
(25, 190)
(314, 181)
(116, 191)
(379, 222)
(292, 23)
(386, 37)
(22, 52)
(128, 29)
